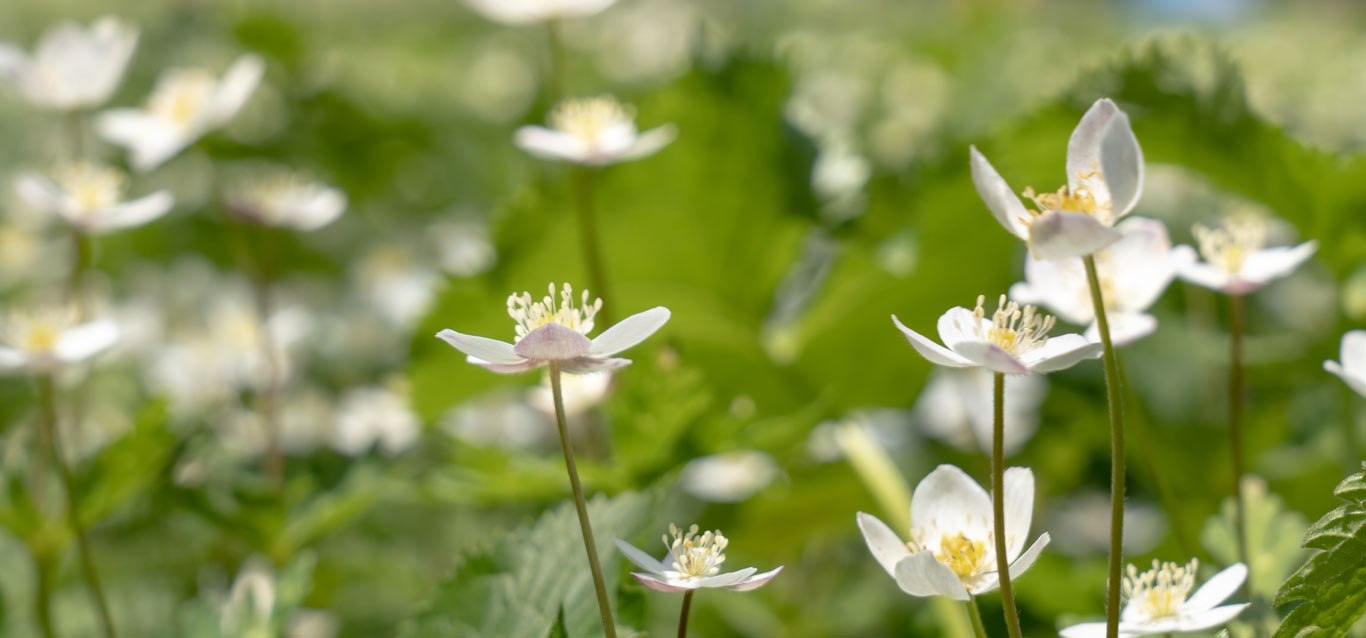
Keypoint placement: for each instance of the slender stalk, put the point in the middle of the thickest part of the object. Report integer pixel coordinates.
(683, 614)
(1116, 452)
(998, 502)
(1149, 455)
(42, 598)
(557, 60)
(587, 528)
(975, 617)
(258, 269)
(588, 234)
(48, 399)
(1235, 429)
(80, 262)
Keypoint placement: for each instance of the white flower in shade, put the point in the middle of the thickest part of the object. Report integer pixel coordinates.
(251, 602)
(185, 105)
(464, 248)
(1014, 341)
(549, 331)
(90, 197)
(594, 132)
(1352, 369)
(693, 562)
(955, 407)
(72, 67)
(728, 477)
(580, 393)
(1133, 274)
(1236, 259)
(371, 415)
(952, 551)
(1104, 180)
(528, 11)
(42, 341)
(1159, 601)
(286, 199)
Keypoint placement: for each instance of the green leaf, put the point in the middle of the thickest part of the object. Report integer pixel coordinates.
(1332, 584)
(1273, 536)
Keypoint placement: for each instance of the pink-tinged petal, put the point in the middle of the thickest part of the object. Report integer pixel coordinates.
(958, 325)
(11, 358)
(756, 581)
(550, 144)
(724, 580)
(1062, 234)
(1217, 589)
(1061, 352)
(86, 340)
(1273, 263)
(589, 365)
(659, 584)
(505, 368)
(1125, 328)
(885, 545)
(134, 212)
(41, 193)
(638, 557)
(990, 356)
(932, 351)
(649, 143)
(922, 575)
(1355, 382)
(553, 342)
(237, 85)
(1084, 630)
(1019, 508)
(1209, 276)
(1004, 204)
(629, 331)
(948, 501)
(484, 348)
(1104, 143)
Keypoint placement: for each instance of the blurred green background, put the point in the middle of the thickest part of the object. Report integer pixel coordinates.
(819, 183)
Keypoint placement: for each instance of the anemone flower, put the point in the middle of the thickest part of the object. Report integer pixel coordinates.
(693, 562)
(72, 67)
(43, 341)
(1236, 259)
(530, 11)
(593, 132)
(1159, 602)
(1352, 369)
(90, 197)
(1014, 341)
(285, 199)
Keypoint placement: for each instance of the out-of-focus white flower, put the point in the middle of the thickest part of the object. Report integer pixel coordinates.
(593, 132)
(839, 171)
(952, 551)
(693, 562)
(1081, 525)
(548, 331)
(313, 623)
(955, 407)
(251, 602)
(1133, 273)
(395, 285)
(728, 477)
(1159, 601)
(1014, 341)
(1237, 260)
(501, 419)
(286, 199)
(1352, 369)
(1104, 180)
(528, 11)
(72, 67)
(464, 248)
(305, 420)
(90, 197)
(643, 41)
(185, 105)
(580, 393)
(370, 415)
(44, 340)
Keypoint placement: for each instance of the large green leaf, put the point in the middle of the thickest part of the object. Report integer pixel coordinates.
(1332, 585)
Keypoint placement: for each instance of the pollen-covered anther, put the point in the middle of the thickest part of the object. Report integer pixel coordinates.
(94, 187)
(1014, 329)
(1160, 591)
(696, 556)
(588, 118)
(964, 556)
(1229, 245)
(1082, 199)
(531, 315)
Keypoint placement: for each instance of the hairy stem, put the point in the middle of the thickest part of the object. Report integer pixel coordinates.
(998, 502)
(1116, 452)
(588, 234)
(975, 618)
(683, 614)
(587, 528)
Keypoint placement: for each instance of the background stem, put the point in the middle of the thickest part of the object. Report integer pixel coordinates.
(975, 617)
(1116, 452)
(557, 60)
(683, 614)
(1235, 430)
(998, 500)
(598, 583)
(42, 597)
(588, 233)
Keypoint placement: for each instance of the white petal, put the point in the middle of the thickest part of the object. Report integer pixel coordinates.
(638, 557)
(756, 581)
(1211, 618)
(589, 365)
(1273, 263)
(1058, 284)
(957, 325)
(1142, 263)
(886, 546)
(990, 356)
(724, 580)
(947, 502)
(489, 350)
(506, 368)
(86, 340)
(1355, 382)
(238, 83)
(1217, 589)
(932, 351)
(1019, 508)
(1125, 328)
(1209, 276)
(1353, 351)
(321, 206)
(41, 193)
(149, 140)
(923, 575)
(659, 584)
(11, 358)
(1061, 352)
(1104, 142)
(629, 331)
(550, 144)
(13, 62)
(1084, 630)
(134, 212)
(1064, 233)
(649, 142)
(1026, 560)
(1004, 204)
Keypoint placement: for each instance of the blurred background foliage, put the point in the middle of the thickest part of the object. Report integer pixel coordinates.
(819, 183)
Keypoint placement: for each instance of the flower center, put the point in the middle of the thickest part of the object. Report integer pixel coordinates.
(962, 555)
(588, 118)
(1228, 246)
(696, 556)
(94, 187)
(182, 94)
(37, 333)
(1016, 330)
(531, 315)
(1082, 199)
(1159, 592)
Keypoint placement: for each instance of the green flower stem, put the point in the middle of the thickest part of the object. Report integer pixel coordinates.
(584, 525)
(1149, 455)
(42, 597)
(1235, 430)
(998, 503)
(1116, 453)
(557, 60)
(588, 234)
(975, 617)
(683, 614)
(258, 269)
(48, 400)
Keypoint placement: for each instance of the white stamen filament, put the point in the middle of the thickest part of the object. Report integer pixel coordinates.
(588, 118)
(1014, 329)
(182, 94)
(531, 315)
(1228, 246)
(696, 556)
(1085, 198)
(37, 332)
(94, 187)
(1161, 591)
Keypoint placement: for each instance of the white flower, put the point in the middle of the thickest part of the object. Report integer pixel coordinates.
(251, 603)
(579, 392)
(464, 248)
(90, 197)
(548, 331)
(1014, 341)
(72, 67)
(528, 11)
(1133, 273)
(283, 198)
(395, 285)
(1352, 370)
(1236, 259)
(728, 477)
(693, 562)
(1157, 601)
(952, 551)
(594, 132)
(42, 341)
(185, 105)
(955, 406)
(373, 414)
(1104, 180)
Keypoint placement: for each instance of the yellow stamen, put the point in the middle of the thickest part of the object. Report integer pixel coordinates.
(182, 94)
(1083, 199)
(1016, 330)
(588, 118)
(696, 556)
(1228, 246)
(531, 315)
(1161, 591)
(962, 555)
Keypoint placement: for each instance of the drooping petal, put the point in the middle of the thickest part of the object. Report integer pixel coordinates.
(1004, 204)
(553, 342)
(638, 557)
(1026, 560)
(1217, 589)
(484, 348)
(589, 365)
(932, 351)
(1019, 508)
(990, 356)
(1061, 234)
(1084, 630)
(946, 502)
(1354, 381)
(958, 325)
(1061, 352)
(649, 142)
(658, 584)
(134, 212)
(1104, 143)
(629, 331)
(923, 575)
(886, 546)
(1273, 263)
(756, 581)
(86, 340)
(550, 144)
(1125, 328)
